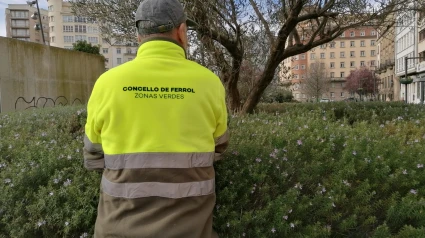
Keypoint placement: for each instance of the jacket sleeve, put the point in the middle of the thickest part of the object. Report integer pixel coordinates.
(93, 152)
(221, 135)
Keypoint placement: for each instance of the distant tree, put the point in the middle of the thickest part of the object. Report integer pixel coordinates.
(362, 81)
(84, 46)
(317, 81)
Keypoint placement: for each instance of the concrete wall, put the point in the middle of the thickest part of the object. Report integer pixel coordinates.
(34, 75)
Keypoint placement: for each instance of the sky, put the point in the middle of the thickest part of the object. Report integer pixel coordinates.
(3, 6)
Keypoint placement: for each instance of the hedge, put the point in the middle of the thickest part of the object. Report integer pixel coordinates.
(299, 170)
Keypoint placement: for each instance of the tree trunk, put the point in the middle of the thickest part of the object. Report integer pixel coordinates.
(259, 88)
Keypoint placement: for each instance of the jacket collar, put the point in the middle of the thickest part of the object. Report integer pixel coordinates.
(161, 46)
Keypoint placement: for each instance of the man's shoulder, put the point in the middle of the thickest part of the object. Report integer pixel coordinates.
(204, 71)
(114, 72)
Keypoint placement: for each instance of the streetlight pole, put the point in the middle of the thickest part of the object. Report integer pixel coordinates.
(30, 3)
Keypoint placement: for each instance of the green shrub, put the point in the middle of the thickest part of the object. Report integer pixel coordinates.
(305, 170)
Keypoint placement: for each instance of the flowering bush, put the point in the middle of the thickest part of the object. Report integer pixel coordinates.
(305, 171)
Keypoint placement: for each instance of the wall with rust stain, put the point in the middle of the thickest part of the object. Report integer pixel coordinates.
(33, 75)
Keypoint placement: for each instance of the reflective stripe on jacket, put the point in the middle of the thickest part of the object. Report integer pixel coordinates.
(155, 125)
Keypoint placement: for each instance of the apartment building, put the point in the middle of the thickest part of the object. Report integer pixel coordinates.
(420, 67)
(20, 25)
(406, 46)
(389, 83)
(355, 48)
(66, 28)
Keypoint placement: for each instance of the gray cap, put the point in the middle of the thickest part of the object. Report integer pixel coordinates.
(161, 16)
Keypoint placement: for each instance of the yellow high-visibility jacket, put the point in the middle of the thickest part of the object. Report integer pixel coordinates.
(155, 125)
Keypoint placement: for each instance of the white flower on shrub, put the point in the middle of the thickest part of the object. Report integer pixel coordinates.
(69, 157)
(299, 142)
(354, 152)
(346, 183)
(413, 191)
(243, 234)
(399, 118)
(290, 211)
(258, 160)
(273, 230)
(228, 224)
(51, 193)
(67, 182)
(419, 166)
(40, 223)
(382, 126)
(66, 223)
(298, 185)
(333, 205)
(404, 171)
(56, 180)
(10, 146)
(84, 235)
(292, 225)
(43, 134)
(285, 217)
(7, 180)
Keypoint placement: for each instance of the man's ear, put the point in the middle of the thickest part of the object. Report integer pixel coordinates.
(139, 38)
(182, 34)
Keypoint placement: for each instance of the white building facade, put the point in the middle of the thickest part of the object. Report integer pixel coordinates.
(406, 45)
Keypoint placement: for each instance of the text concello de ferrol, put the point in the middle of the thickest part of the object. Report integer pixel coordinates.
(158, 89)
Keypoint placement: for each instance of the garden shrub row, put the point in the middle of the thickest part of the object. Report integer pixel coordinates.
(300, 170)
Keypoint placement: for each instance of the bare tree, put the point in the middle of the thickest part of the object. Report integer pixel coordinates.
(284, 28)
(317, 81)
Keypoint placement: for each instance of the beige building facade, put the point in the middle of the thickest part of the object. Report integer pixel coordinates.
(355, 48)
(66, 28)
(20, 25)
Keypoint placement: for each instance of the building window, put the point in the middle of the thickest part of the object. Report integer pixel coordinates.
(342, 54)
(352, 54)
(342, 44)
(362, 43)
(303, 56)
(107, 60)
(312, 56)
(332, 75)
(362, 53)
(323, 46)
(303, 66)
(352, 34)
(342, 74)
(80, 19)
(92, 29)
(372, 52)
(20, 32)
(342, 85)
(342, 94)
(362, 63)
(332, 94)
(322, 55)
(119, 51)
(68, 18)
(296, 67)
(81, 28)
(93, 40)
(68, 29)
(105, 50)
(50, 8)
(332, 55)
(343, 34)
(52, 29)
(352, 44)
(332, 45)
(19, 14)
(333, 85)
(373, 33)
(372, 63)
(332, 65)
(68, 39)
(342, 64)
(352, 64)
(53, 39)
(118, 60)
(52, 19)
(372, 42)
(362, 33)
(20, 23)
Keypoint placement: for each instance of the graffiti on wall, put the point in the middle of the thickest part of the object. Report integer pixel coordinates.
(42, 102)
